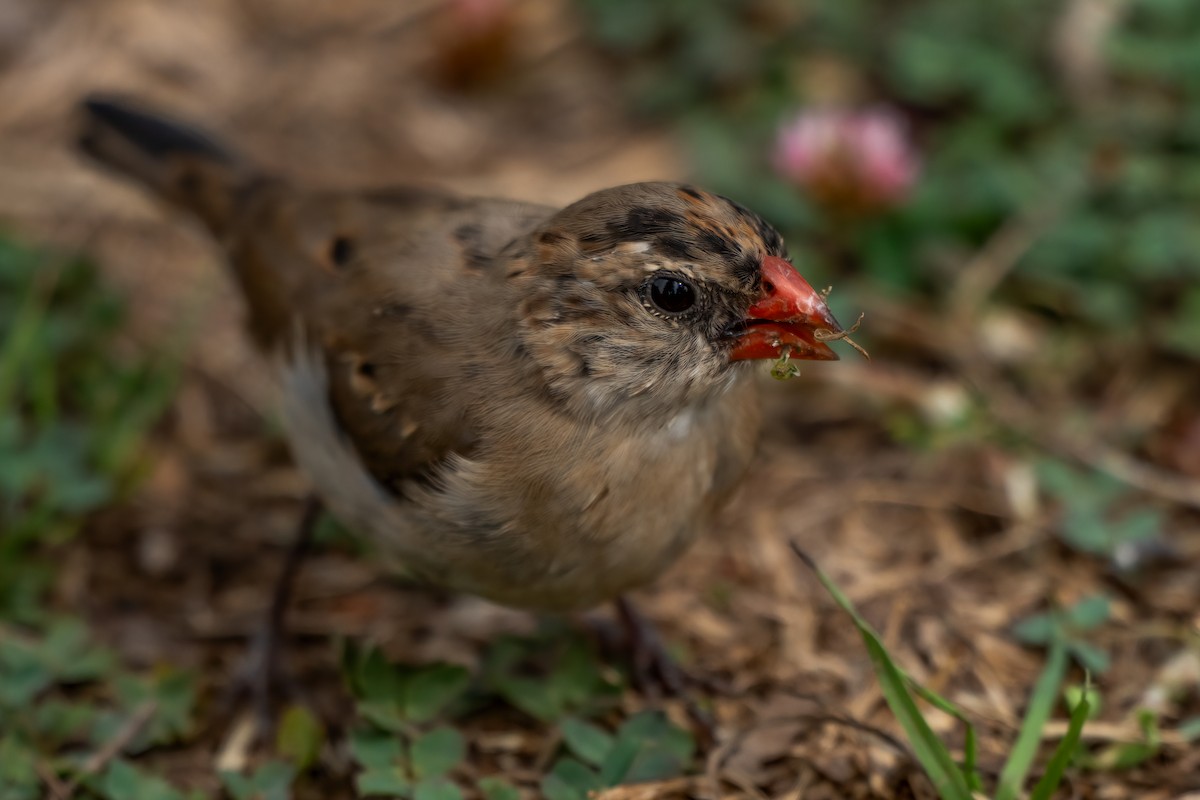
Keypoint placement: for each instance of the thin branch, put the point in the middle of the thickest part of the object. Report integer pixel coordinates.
(1018, 538)
(1023, 416)
(1000, 255)
(101, 758)
(55, 788)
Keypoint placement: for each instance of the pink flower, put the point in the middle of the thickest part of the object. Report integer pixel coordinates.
(854, 161)
(475, 42)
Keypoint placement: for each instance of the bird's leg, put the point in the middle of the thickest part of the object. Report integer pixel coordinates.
(261, 675)
(654, 671)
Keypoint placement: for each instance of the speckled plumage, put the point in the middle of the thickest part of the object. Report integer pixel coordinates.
(487, 389)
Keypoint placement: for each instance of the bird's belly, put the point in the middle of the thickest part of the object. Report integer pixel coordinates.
(595, 516)
(573, 538)
(592, 568)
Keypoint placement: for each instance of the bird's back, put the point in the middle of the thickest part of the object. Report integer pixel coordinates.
(379, 279)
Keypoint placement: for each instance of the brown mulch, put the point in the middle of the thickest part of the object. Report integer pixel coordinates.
(943, 549)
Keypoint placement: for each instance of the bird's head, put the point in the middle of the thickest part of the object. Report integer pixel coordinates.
(660, 291)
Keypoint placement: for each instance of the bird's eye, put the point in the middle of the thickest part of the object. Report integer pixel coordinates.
(672, 295)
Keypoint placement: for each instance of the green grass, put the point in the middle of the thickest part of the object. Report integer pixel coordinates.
(404, 746)
(960, 779)
(73, 417)
(73, 414)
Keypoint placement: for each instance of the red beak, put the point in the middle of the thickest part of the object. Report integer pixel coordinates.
(787, 316)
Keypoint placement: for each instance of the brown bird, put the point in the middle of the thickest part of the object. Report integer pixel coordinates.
(540, 406)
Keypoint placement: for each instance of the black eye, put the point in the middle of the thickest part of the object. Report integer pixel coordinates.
(672, 295)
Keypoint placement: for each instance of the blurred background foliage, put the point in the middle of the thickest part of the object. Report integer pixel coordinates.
(1016, 106)
(74, 409)
(1049, 244)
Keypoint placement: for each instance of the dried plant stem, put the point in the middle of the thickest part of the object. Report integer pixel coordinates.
(993, 262)
(1023, 416)
(1114, 732)
(55, 789)
(982, 274)
(101, 758)
(1019, 537)
(1027, 417)
(825, 335)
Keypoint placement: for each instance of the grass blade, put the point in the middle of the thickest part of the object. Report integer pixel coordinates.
(1041, 703)
(933, 756)
(1064, 752)
(970, 740)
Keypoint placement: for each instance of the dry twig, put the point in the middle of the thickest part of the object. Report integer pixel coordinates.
(1027, 417)
(56, 789)
(101, 758)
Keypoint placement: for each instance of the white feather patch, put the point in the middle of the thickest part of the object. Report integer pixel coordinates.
(320, 447)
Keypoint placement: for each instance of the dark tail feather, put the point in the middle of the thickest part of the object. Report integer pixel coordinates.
(176, 161)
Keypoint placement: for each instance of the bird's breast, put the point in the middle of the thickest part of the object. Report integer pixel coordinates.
(547, 512)
(568, 518)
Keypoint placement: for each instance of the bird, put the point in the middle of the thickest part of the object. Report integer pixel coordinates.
(537, 405)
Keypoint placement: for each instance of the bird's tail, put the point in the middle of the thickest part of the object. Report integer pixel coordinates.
(174, 160)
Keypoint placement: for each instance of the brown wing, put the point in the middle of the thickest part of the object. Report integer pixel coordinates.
(373, 277)
(368, 275)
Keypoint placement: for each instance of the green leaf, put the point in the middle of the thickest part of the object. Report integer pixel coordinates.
(437, 752)
(1090, 657)
(22, 675)
(387, 781)
(123, 781)
(57, 720)
(300, 737)
(372, 749)
(589, 742)
(377, 680)
(432, 688)
(970, 739)
(271, 781)
(555, 788)
(1189, 729)
(1038, 629)
(1090, 612)
(1181, 331)
(237, 785)
(570, 779)
(498, 789)
(1074, 695)
(654, 763)
(18, 778)
(1065, 752)
(1130, 754)
(648, 747)
(173, 696)
(69, 654)
(534, 697)
(620, 760)
(576, 676)
(1041, 703)
(84, 493)
(654, 726)
(394, 695)
(1125, 756)
(933, 756)
(436, 789)
(386, 714)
